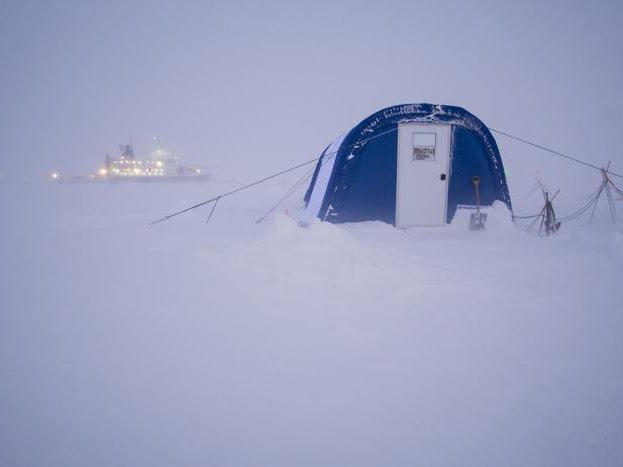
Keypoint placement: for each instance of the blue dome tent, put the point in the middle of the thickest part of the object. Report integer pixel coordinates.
(407, 165)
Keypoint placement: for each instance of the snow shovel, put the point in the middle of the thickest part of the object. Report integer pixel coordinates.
(477, 220)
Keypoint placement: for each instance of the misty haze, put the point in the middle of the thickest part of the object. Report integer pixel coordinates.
(316, 336)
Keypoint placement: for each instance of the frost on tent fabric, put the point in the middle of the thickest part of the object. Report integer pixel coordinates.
(408, 165)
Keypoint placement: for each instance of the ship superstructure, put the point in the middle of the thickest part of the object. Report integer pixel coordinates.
(161, 165)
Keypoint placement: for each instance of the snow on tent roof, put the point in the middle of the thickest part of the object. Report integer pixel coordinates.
(356, 176)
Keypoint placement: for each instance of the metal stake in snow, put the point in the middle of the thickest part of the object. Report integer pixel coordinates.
(549, 219)
(547, 216)
(606, 184)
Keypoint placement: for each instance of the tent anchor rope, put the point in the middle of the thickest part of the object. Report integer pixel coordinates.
(216, 199)
(223, 195)
(566, 156)
(265, 179)
(213, 208)
(289, 193)
(606, 185)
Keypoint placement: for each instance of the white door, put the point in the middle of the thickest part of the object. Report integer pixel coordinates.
(422, 179)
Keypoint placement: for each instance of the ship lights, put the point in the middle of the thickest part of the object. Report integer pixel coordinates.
(161, 165)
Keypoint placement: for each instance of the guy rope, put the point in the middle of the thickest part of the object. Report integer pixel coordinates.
(548, 219)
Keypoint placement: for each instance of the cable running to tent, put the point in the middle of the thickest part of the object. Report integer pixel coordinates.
(566, 156)
(593, 199)
(289, 193)
(327, 156)
(215, 199)
(526, 217)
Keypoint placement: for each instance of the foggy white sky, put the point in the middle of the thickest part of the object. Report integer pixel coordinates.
(178, 345)
(257, 86)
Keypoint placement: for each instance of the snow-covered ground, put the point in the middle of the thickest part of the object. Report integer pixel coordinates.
(241, 344)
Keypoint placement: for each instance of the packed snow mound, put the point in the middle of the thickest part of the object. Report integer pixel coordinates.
(617, 245)
(499, 220)
(599, 240)
(241, 344)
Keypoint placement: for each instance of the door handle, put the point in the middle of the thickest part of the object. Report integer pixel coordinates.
(443, 177)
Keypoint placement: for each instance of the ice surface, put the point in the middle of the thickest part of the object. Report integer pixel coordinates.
(237, 344)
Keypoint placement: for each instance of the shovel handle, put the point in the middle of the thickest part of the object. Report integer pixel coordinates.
(476, 182)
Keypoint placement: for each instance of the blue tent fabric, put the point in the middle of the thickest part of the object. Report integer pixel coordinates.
(362, 185)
